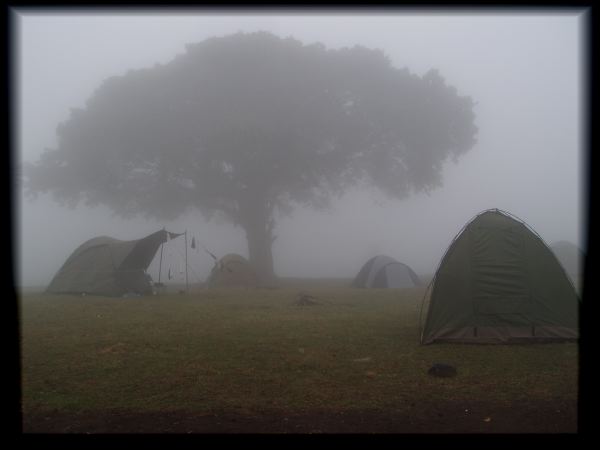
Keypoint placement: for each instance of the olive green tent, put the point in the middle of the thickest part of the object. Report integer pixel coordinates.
(385, 272)
(498, 282)
(232, 270)
(109, 267)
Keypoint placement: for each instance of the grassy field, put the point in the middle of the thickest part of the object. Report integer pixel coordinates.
(247, 351)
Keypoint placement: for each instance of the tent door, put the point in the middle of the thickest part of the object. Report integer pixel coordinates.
(500, 283)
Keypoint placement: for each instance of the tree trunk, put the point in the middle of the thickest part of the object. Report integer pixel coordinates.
(259, 234)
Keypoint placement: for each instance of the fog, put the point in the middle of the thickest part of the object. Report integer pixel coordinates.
(523, 70)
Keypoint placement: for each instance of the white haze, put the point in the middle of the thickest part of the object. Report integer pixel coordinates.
(523, 70)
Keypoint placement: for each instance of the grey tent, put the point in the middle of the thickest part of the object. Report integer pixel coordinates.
(571, 257)
(232, 270)
(109, 267)
(385, 272)
(498, 282)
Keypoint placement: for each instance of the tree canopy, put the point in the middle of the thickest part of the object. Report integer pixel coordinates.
(249, 125)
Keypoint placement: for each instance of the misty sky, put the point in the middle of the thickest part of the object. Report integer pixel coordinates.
(522, 69)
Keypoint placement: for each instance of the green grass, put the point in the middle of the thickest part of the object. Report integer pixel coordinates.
(252, 350)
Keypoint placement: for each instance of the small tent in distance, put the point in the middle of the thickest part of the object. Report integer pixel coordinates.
(571, 257)
(109, 267)
(498, 282)
(232, 270)
(385, 272)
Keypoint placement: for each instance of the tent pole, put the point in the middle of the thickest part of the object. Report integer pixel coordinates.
(160, 262)
(186, 263)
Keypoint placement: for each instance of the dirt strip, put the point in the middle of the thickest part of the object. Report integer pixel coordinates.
(531, 417)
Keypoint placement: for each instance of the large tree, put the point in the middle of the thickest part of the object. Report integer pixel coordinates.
(250, 125)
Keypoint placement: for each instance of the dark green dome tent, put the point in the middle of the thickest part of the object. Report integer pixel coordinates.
(497, 283)
(109, 267)
(385, 272)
